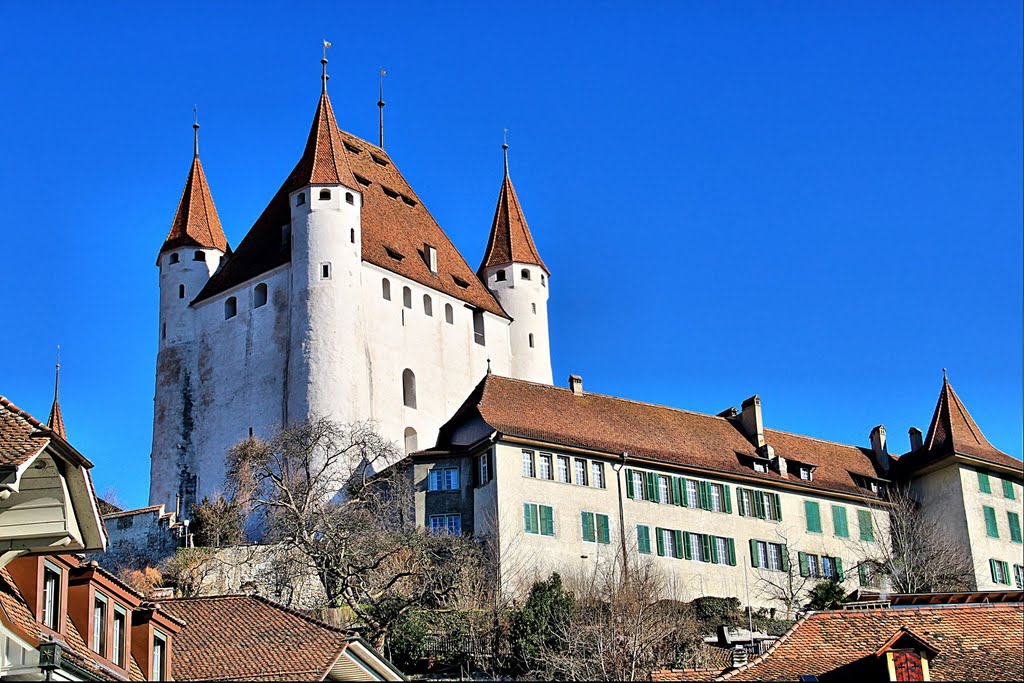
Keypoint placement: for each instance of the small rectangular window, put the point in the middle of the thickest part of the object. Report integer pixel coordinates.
(813, 514)
(120, 632)
(984, 485)
(1018, 576)
(51, 597)
(1013, 521)
(431, 258)
(545, 466)
(325, 271)
(692, 494)
(991, 527)
(664, 490)
(775, 557)
(839, 525)
(563, 469)
(528, 468)
(597, 474)
(159, 656)
(867, 529)
(1008, 489)
(478, 327)
(446, 524)
(99, 625)
(581, 471)
(443, 479)
(484, 468)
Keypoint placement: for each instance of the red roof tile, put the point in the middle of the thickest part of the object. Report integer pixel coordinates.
(20, 436)
(615, 425)
(196, 222)
(234, 637)
(510, 240)
(393, 217)
(953, 430)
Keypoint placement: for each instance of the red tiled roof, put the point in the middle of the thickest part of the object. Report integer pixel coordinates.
(615, 425)
(241, 637)
(20, 438)
(975, 643)
(393, 217)
(196, 222)
(510, 239)
(953, 430)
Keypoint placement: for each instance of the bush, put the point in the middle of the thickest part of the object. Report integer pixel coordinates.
(535, 627)
(827, 594)
(406, 643)
(714, 612)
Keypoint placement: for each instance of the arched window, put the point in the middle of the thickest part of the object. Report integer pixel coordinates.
(406, 297)
(230, 307)
(449, 314)
(173, 259)
(411, 445)
(499, 276)
(531, 340)
(199, 256)
(300, 199)
(350, 198)
(259, 295)
(428, 305)
(543, 282)
(385, 289)
(325, 194)
(525, 273)
(408, 388)
(181, 291)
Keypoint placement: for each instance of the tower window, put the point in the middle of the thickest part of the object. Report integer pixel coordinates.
(199, 256)
(181, 291)
(406, 297)
(408, 388)
(478, 327)
(230, 307)
(499, 276)
(325, 271)
(352, 235)
(428, 305)
(300, 199)
(350, 198)
(449, 314)
(531, 340)
(525, 273)
(259, 295)
(534, 307)
(163, 330)
(543, 282)
(385, 289)
(325, 194)
(173, 259)
(411, 444)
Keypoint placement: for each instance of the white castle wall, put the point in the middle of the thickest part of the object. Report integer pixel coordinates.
(526, 300)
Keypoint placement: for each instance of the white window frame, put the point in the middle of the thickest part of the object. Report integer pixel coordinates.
(117, 649)
(775, 557)
(806, 474)
(769, 508)
(544, 466)
(50, 613)
(159, 665)
(564, 469)
(664, 489)
(762, 554)
(639, 491)
(443, 479)
(696, 548)
(100, 611)
(449, 523)
(483, 469)
(717, 493)
(692, 495)
(580, 470)
(998, 571)
(529, 466)
(668, 541)
(721, 549)
(597, 474)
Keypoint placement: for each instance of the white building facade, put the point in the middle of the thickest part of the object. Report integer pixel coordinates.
(345, 299)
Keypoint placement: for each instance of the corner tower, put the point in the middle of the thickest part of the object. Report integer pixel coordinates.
(191, 253)
(514, 272)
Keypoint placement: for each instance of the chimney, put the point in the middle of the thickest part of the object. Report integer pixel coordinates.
(878, 447)
(916, 438)
(751, 421)
(576, 384)
(739, 656)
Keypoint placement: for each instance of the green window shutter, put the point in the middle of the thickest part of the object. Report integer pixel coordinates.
(706, 547)
(660, 541)
(741, 505)
(629, 484)
(805, 569)
(587, 526)
(984, 485)
(727, 499)
(785, 558)
(652, 487)
(643, 539)
(1014, 521)
(732, 551)
(1006, 573)
(867, 531)
(679, 544)
(705, 495)
(1008, 489)
(686, 546)
(530, 518)
(813, 516)
(839, 567)
(753, 554)
(839, 521)
(759, 510)
(547, 520)
(678, 491)
(862, 574)
(991, 528)
(602, 529)
(777, 505)
(992, 568)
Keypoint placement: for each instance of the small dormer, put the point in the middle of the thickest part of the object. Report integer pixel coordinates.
(905, 656)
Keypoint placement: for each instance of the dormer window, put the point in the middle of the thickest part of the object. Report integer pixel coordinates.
(300, 199)
(430, 255)
(120, 634)
(805, 473)
(99, 625)
(760, 466)
(325, 194)
(173, 259)
(460, 282)
(159, 656)
(51, 597)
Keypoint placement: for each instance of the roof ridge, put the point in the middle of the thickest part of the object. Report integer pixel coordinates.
(818, 439)
(259, 598)
(21, 412)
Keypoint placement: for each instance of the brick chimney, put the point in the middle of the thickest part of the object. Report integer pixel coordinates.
(879, 448)
(576, 384)
(916, 438)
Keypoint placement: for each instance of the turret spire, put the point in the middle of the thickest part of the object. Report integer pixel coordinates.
(56, 419)
(323, 63)
(504, 148)
(323, 161)
(380, 105)
(195, 131)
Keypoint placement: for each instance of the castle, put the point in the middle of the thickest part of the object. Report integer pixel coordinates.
(345, 299)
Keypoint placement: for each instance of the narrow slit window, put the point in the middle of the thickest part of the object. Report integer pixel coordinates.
(408, 388)
(352, 235)
(181, 291)
(428, 305)
(406, 297)
(478, 327)
(385, 289)
(325, 271)
(531, 340)
(449, 314)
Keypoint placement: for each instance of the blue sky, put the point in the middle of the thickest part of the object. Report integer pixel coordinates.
(816, 202)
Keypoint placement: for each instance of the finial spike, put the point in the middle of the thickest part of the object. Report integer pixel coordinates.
(56, 383)
(195, 130)
(488, 366)
(323, 62)
(504, 147)
(380, 104)
(944, 379)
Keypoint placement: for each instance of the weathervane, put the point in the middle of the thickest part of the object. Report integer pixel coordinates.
(380, 104)
(195, 130)
(323, 61)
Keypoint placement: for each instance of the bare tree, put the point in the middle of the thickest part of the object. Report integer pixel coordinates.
(918, 554)
(782, 582)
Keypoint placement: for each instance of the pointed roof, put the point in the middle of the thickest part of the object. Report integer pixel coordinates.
(323, 161)
(56, 419)
(196, 222)
(954, 431)
(510, 240)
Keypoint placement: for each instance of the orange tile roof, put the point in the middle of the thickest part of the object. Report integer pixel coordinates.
(196, 222)
(953, 430)
(244, 637)
(974, 642)
(510, 240)
(393, 217)
(20, 437)
(615, 425)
